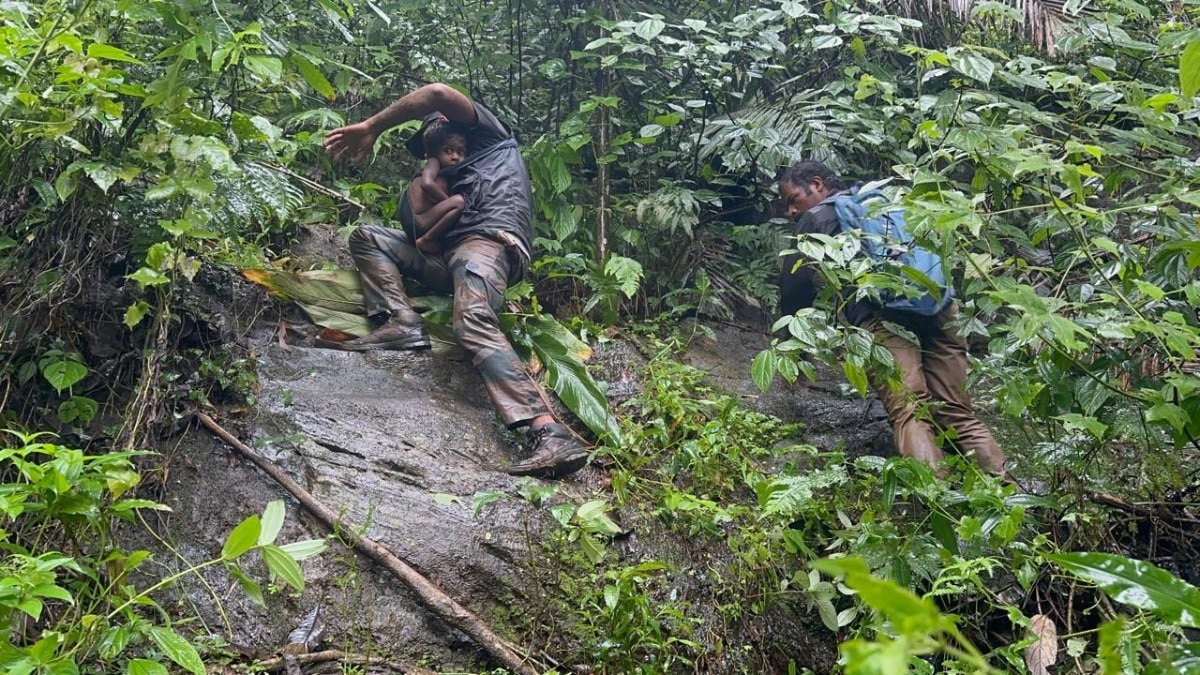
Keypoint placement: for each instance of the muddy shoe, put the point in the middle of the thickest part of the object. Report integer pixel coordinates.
(391, 335)
(556, 453)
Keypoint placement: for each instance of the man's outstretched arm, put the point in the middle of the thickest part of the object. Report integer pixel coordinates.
(354, 141)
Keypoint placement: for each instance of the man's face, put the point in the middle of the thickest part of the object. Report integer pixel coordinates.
(453, 151)
(800, 198)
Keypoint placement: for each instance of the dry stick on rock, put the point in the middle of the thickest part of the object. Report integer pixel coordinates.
(445, 607)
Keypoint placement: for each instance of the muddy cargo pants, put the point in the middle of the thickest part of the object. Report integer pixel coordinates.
(476, 272)
(929, 388)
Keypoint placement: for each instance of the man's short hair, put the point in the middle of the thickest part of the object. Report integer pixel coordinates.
(801, 173)
(439, 134)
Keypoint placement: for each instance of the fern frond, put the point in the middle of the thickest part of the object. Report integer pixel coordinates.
(805, 125)
(791, 495)
(259, 195)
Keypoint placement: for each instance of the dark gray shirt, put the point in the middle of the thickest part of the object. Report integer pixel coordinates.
(496, 186)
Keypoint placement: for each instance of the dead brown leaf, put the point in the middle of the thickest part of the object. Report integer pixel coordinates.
(1043, 653)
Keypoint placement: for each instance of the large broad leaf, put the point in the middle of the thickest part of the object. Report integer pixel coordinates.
(562, 353)
(338, 290)
(1136, 583)
(331, 298)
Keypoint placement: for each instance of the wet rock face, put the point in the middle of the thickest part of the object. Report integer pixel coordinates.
(833, 419)
(399, 444)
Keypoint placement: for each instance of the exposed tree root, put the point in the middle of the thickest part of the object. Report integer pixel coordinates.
(445, 607)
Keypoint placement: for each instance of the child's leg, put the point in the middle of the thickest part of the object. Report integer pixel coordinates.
(446, 214)
(441, 216)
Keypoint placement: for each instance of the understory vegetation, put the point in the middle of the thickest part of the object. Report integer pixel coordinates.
(1048, 151)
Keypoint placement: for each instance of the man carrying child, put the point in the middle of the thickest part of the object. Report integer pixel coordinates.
(489, 248)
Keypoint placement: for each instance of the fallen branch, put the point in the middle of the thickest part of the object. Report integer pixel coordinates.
(280, 662)
(445, 607)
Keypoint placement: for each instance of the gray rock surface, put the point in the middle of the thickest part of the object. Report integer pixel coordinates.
(400, 444)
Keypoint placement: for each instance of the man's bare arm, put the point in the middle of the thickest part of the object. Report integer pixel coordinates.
(416, 104)
(356, 140)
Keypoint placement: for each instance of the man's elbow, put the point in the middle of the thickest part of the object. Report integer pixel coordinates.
(450, 102)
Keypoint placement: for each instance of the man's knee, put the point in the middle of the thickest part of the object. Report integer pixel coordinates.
(477, 328)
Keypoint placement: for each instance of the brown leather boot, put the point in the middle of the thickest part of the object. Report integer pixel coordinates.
(556, 453)
(400, 331)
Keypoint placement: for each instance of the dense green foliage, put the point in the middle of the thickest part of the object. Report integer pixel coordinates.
(151, 146)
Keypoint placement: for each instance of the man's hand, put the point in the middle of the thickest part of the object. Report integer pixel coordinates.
(353, 142)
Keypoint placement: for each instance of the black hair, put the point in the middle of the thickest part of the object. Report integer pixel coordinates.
(801, 174)
(438, 135)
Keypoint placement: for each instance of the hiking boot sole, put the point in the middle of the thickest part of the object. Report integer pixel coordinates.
(557, 468)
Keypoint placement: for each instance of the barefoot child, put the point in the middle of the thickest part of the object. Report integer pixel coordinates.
(435, 210)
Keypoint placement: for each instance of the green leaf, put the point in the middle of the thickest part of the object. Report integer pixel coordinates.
(103, 175)
(212, 151)
(1077, 422)
(268, 68)
(826, 42)
(52, 591)
(79, 408)
(144, 667)
(910, 615)
(146, 277)
(1189, 70)
(242, 538)
(272, 522)
(97, 50)
(1108, 651)
(32, 607)
(559, 352)
(135, 313)
(178, 649)
(67, 182)
(283, 566)
(249, 586)
(312, 75)
(1136, 583)
(627, 272)
(973, 65)
(650, 28)
(63, 374)
(612, 594)
(1170, 413)
(763, 368)
(303, 550)
(943, 530)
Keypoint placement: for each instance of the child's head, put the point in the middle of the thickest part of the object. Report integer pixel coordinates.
(446, 143)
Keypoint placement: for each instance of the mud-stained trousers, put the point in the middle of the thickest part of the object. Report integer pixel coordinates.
(930, 388)
(476, 272)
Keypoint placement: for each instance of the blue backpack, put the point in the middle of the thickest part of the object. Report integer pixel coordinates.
(886, 240)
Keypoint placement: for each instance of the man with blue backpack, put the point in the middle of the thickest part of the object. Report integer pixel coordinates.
(928, 394)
